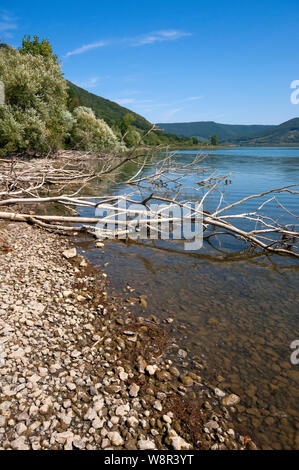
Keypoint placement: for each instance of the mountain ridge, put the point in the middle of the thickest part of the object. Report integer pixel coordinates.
(286, 132)
(204, 129)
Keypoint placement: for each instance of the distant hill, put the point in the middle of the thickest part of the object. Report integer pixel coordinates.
(285, 133)
(204, 129)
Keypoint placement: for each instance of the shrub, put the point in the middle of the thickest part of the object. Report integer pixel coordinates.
(33, 116)
(90, 133)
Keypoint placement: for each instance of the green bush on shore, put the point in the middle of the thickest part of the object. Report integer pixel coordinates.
(35, 116)
(90, 133)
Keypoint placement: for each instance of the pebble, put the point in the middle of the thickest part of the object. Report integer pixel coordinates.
(186, 380)
(219, 393)
(71, 379)
(146, 444)
(230, 400)
(182, 353)
(151, 370)
(158, 405)
(115, 438)
(134, 390)
(71, 253)
(20, 444)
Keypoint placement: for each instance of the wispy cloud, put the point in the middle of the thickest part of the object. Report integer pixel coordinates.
(157, 111)
(192, 98)
(160, 36)
(87, 47)
(8, 23)
(146, 39)
(92, 82)
(151, 105)
(170, 113)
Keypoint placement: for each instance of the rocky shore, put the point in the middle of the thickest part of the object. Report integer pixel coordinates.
(79, 371)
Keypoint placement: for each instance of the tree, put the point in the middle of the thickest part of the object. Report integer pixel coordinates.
(33, 117)
(90, 133)
(125, 124)
(36, 47)
(37, 114)
(128, 133)
(215, 140)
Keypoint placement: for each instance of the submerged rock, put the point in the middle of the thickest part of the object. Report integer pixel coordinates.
(230, 400)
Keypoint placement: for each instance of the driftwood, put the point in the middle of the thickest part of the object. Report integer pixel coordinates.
(158, 179)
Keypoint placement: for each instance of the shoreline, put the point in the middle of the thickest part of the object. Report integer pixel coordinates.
(79, 371)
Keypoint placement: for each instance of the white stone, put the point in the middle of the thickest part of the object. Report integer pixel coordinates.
(90, 415)
(71, 253)
(219, 393)
(177, 442)
(132, 422)
(115, 438)
(230, 400)
(146, 444)
(158, 405)
(97, 423)
(21, 428)
(151, 370)
(20, 444)
(134, 390)
(123, 376)
(62, 437)
(122, 410)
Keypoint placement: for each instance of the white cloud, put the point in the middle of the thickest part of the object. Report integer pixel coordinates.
(160, 36)
(151, 38)
(192, 98)
(7, 24)
(87, 47)
(171, 112)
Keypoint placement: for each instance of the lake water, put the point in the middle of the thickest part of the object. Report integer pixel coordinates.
(240, 308)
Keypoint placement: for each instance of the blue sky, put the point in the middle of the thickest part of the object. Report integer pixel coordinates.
(173, 61)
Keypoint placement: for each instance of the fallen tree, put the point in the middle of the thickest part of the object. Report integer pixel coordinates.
(157, 178)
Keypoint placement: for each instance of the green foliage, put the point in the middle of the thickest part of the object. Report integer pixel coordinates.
(33, 117)
(125, 124)
(128, 133)
(214, 140)
(90, 133)
(105, 109)
(36, 47)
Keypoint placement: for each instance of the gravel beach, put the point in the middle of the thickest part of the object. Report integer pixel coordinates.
(79, 371)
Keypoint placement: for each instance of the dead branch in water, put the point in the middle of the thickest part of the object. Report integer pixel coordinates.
(159, 178)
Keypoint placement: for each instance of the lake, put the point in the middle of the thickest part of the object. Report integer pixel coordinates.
(235, 309)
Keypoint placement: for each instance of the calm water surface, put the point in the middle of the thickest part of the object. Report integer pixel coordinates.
(240, 309)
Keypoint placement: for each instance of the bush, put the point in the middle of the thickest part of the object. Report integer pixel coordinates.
(90, 133)
(34, 115)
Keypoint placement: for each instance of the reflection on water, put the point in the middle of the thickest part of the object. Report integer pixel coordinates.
(240, 308)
